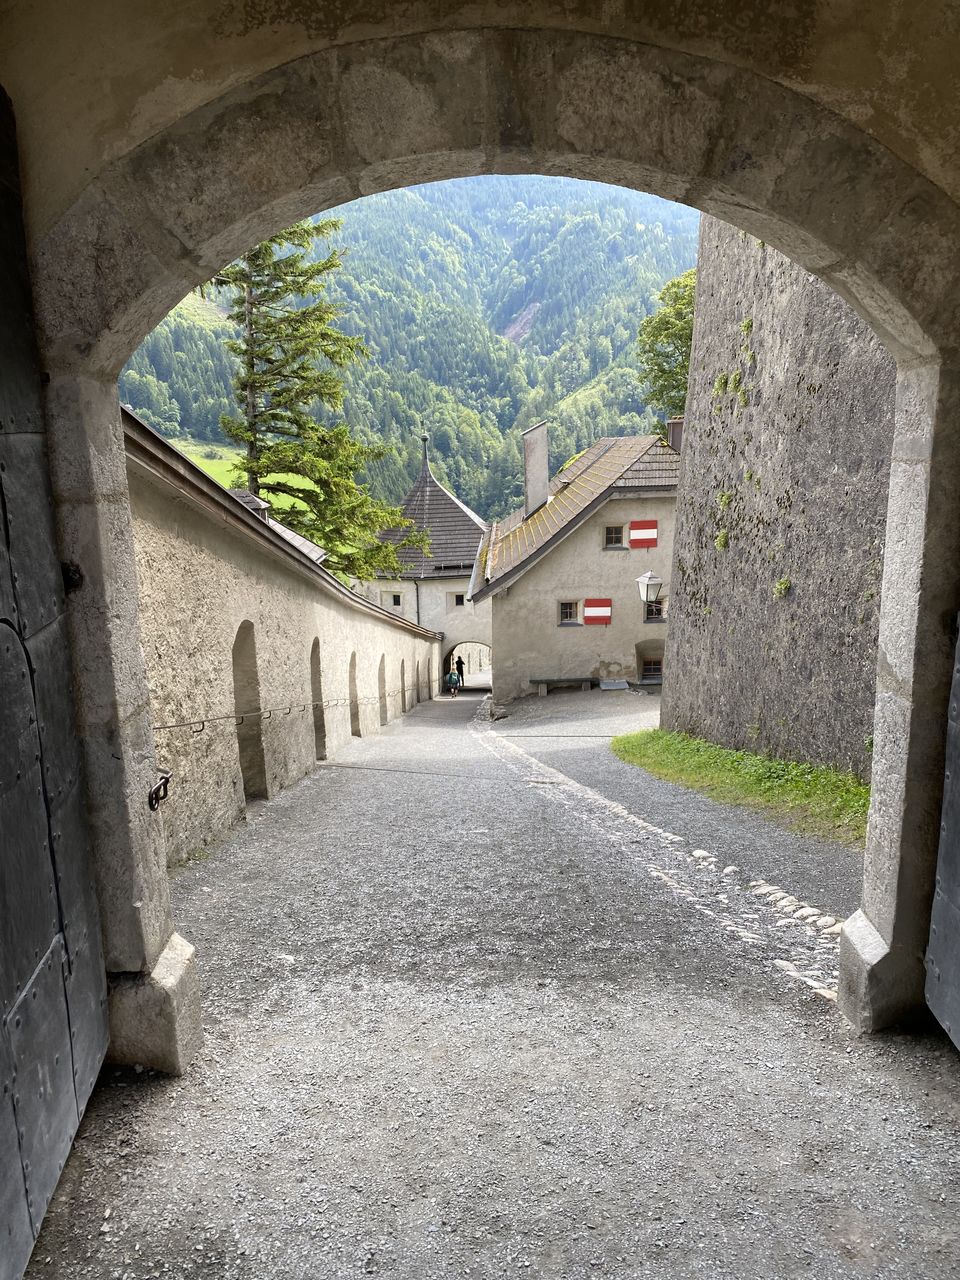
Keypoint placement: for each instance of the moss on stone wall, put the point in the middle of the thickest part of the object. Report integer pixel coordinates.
(781, 513)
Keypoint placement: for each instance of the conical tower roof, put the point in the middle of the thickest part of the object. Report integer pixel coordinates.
(455, 531)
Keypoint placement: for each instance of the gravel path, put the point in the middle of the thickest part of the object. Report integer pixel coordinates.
(473, 1009)
(551, 729)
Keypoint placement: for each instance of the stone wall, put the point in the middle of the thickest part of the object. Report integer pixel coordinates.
(780, 513)
(206, 568)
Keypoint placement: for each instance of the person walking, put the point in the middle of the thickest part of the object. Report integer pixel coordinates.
(452, 681)
(460, 670)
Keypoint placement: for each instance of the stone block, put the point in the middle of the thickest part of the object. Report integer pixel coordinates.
(879, 985)
(155, 1017)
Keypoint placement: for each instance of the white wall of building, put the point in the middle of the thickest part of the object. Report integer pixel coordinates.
(528, 638)
(444, 605)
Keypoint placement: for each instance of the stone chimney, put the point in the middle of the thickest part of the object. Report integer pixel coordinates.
(536, 468)
(675, 433)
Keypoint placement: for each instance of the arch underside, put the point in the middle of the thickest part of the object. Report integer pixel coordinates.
(345, 122)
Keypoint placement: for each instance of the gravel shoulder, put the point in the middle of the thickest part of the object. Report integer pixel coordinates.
(456, 1026)
(558, 730)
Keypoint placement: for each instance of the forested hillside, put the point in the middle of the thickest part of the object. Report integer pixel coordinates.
(486, 304)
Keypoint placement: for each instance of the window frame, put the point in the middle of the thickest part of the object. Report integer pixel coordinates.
(576, 620)
(614, 546)
(658, 608)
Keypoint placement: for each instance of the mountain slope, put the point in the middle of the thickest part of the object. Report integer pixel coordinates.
(486, 304)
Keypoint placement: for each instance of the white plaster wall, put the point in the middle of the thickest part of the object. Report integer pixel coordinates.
(460, 624)
(527, 640)
(198, 580)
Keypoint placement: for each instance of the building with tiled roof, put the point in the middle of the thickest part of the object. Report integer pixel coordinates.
(561, 573)
(435, 584)
(455, 531)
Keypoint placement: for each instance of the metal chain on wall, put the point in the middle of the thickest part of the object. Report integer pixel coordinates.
(199, 723)
(159, 792)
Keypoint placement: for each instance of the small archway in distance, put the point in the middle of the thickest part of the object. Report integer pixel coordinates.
(382, 689)
(246, 705)
(477, 662)
(316, 697)
(403, 685)
(354, 698)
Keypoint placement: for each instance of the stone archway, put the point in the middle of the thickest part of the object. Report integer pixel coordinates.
(246, 700)
(382, 689)
(375, 114)
(474, 656)
(354, 698)
(316, 695)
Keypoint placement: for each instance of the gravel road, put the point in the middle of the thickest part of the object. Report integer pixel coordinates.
(481, 1001)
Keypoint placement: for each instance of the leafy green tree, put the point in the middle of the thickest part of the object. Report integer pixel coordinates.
(290, 354)
(663, 345)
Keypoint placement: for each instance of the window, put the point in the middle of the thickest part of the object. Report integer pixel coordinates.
(396, 601)
(391, 599)
(652, 669)
(569, 612)
(613, 536)
(458, 599)
(653, 611)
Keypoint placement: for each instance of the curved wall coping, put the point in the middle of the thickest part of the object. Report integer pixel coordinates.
(151, 455)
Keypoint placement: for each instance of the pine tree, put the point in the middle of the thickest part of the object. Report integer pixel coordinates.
(290, 355)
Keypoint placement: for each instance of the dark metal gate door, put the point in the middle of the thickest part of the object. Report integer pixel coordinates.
(943, 949)
(52, 991)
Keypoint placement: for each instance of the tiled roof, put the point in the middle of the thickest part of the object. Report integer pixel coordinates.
(261, 508)
(455, 531)
(315, 553)
(613, 464)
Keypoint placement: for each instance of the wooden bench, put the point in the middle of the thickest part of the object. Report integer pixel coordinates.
(558, 682)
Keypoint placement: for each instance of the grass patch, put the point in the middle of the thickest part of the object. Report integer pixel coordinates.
(805, 798)
(219, 466)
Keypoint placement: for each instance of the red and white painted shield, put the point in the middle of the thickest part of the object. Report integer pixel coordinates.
(643, 533)
(597, 612)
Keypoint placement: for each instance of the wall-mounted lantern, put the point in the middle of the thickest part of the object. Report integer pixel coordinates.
(649, 586)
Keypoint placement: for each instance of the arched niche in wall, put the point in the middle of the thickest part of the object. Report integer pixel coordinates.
(246, 705)
(403, 685)
(316, 697)
(382, 688)
(354, 698)
(417, 688)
